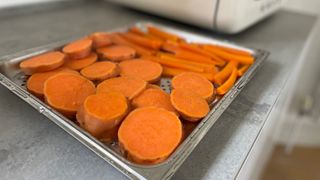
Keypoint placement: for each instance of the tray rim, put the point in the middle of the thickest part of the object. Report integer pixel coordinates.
(130, 169)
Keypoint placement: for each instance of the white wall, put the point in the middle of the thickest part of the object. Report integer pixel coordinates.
(309, 6)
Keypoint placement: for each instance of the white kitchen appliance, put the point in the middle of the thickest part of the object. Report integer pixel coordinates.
(228, 16)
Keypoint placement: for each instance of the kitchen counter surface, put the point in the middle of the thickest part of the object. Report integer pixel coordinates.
(32, 147)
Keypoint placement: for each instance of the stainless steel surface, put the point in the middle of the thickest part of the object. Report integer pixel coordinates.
(31, 147)
(14, 79)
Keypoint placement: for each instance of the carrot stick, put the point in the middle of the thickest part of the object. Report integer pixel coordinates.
(231, 50)
(117, 39)
(243, 69)
(196, 49)
(136, 31)
(142, 41)
(224, 88)
(221, 76)
(229, 57)
(207, 67)
(180, 53)
(175, 64)
(170, 72)
(162, 34)
(170, 46)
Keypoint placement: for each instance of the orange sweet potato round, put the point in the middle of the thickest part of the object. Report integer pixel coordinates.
(116, 53)
(191, 106)
(101, 113)
(100, 39)
(149, 135)
(78, 64)
(153, 97)
(139, 68)
(100, 71)
(42, 63)
(65, 92)
(78, 49)
(128, 86)
(190, 81)
(35, 83)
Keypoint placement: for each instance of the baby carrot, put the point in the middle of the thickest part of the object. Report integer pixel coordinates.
(162, 34)
(221, 76)
(207, 67)
(170, 46)
(142, 41)
(196, 49)
(117, 39)
(232, 50)
(136, 31)
(191, 56)
(224, 88)
(228, 56)
(243, 69)
(170, 72)
(175, 64)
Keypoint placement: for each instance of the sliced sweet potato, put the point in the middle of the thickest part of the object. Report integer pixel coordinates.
(139, 68)
(128, 86)
(65, 92)
(100, 39)
(153, 97)
(102, 112)
(149, 135)
(78, 64)
(190, 105)
(42, 63)
(78, 49)
(35, 83)
(194, 82)
(100, 71)
(153, 86)
(117, 53)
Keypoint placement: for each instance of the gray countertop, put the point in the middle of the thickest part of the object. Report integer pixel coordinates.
(32, 147)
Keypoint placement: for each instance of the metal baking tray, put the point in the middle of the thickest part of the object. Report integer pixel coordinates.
(12, 78)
